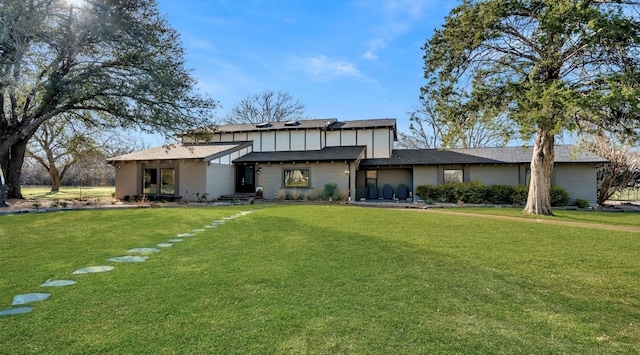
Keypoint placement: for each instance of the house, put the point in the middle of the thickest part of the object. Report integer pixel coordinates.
(302, 156)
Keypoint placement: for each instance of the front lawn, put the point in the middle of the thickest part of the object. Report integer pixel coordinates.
(318, 279)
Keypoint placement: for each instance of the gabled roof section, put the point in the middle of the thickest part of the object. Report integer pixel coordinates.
(366, 124)
(272, 126)
(351, 153)
(502, 155)
(205, 152)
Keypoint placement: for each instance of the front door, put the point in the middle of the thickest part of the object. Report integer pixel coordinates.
(245, 179)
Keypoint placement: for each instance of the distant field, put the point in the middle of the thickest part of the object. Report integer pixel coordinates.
(627, 195)
(67, 192)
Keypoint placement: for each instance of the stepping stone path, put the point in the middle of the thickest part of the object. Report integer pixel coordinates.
(37, 297)
(29, 297)
(58, 283)
(92, 270)
(129, 259)
(144, 250)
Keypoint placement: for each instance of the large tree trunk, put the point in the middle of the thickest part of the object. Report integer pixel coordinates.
(56, 179)
(11, 163)
(539, 200)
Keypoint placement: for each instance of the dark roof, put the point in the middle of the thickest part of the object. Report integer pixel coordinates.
(503, 155)
(325, 154)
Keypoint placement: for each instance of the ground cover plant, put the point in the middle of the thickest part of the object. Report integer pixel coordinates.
(319, 279)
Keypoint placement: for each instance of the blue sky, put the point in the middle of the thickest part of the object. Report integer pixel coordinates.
(343, 59)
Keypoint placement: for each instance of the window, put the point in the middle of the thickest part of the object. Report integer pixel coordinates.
(159, 181)
(453, 176)
(296, 178)
(372, 177)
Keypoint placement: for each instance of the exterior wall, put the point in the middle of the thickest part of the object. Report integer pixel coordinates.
(381, 143)
(127, 179)
(313, 139)
(268, 139)
(580, 180)
(271, 177)
(348, 138)
(333, 138)
(394, 178)
(220, 180)
(425, 175)
(283, 140)
(298, 140)
(191, 179)
(495, 174)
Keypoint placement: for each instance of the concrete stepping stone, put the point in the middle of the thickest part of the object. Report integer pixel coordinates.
(144, 250)
(210, 226)
(198, 230)
(129, 259)
(218, 222)
(58, 283)
(175, 240)
(186, 235)
(29, 297)
(164, 245)
(93, 269)
(19, 310)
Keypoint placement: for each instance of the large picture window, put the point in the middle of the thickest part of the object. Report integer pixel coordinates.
(296, 178)
(159, 181)
(453, 176)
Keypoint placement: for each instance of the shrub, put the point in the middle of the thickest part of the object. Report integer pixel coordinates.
(559, 196)
(281, 195)
(331, 191)
(470, 192)
(582, 203)
(294, 194)
(499, 194)
(520, 194)
(426, 192)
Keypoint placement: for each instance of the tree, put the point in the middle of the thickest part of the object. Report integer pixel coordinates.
(267, 106)
(470, 129)
(623, 169)
(546, 64)
(59, 144)
(118, 59)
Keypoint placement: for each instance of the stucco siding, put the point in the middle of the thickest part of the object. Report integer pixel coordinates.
(333, 139)
(192, 179)
(365, 137)
(394, 178)
(220, 180)
(271, 177)
(282, 141)
(255, 138)
(348, 138)
(382, 145)
(126, 179)
(580, 180)
(495, 175)
(268, 141)
(313, 139)
(424, 175)
(298, 140)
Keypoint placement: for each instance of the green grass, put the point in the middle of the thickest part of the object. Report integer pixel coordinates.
(319, 279)
(631, 219)
(67, 192)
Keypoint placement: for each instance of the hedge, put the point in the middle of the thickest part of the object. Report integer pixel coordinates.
(476, 193)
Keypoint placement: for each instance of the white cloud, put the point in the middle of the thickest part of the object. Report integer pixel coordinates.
(397, 18)
(321, 68)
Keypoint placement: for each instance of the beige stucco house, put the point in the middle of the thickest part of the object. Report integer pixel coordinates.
(303, 156)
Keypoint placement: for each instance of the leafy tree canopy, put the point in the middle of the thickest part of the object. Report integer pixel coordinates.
(118, 59)
(548, 65)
